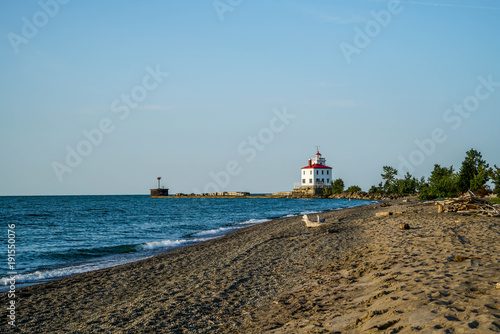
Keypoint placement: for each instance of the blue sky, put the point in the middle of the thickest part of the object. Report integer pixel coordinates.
(103, 97)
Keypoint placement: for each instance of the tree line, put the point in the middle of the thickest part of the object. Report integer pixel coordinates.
(473, 175)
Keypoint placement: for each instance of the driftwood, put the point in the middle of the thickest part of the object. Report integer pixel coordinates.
(468, 203)
(310, 223)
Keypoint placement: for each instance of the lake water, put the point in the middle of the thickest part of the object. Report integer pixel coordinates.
(57, 236)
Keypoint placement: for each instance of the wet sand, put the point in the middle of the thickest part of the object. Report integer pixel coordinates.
(356, 274)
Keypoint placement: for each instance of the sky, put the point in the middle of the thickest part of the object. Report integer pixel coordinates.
(102, 97)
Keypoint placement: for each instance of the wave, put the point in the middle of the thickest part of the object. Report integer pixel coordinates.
(48, 274)
(88, 253)
(44, 275)
(254, 221)
(169, 243)
(216, 231)
(222, 230)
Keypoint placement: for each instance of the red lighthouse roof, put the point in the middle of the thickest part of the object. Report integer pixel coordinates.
(318, 153)
(319, 166)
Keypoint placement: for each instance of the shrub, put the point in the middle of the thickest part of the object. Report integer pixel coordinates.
(376, 189)
(495, 200)
(353, 189)
(337, 186)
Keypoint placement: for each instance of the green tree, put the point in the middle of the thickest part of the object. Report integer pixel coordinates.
(495, 178)
(389, 175)
(406, 186)
(376, 189)
(470, 170)
(424, 192)
(480, 179)
(337, 186)
(441, 183)
(353, 189)
(422, 184)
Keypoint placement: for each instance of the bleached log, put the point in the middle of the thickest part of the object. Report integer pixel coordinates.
(310, 223)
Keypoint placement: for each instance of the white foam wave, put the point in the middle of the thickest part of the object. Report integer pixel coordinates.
(254, 221)
(216, 231)
(166, 243)
(171, 243)
(41, 275)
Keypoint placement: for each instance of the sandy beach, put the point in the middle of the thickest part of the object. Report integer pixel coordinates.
(356, 274)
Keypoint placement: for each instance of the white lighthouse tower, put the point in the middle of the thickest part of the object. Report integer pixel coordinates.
(316, 174)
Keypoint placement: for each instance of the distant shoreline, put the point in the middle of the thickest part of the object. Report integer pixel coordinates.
(345, 195)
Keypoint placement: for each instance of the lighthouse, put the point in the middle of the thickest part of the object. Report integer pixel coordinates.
(316, 174)
(159, 192)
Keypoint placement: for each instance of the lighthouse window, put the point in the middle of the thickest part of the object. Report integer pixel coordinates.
(303, 180)
(310, 180)
(303, 172)
(310, 172)
(317, 172)
(327, 172)
(322, 172)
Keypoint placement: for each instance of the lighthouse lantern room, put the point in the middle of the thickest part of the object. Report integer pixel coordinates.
(316, 174)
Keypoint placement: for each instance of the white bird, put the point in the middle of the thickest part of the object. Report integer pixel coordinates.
(310, 223)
